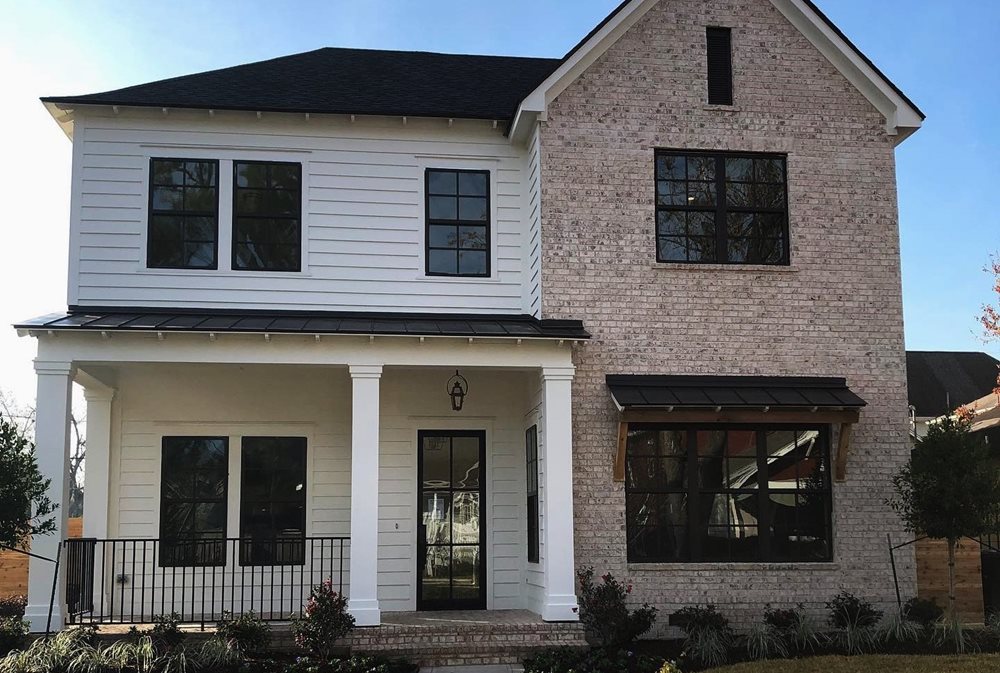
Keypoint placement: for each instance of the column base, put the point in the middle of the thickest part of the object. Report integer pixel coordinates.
(38, 616)
(560, 609)
(365, 612)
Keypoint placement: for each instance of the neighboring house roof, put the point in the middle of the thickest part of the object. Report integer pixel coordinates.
(305, 322)
(375, 82)
(939, 381)
(347, 81)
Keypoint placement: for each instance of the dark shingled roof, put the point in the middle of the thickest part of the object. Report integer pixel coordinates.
(651, 391)
(939, 381)
(306, 322)
(348, 81)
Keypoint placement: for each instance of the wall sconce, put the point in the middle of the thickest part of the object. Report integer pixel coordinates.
(457, 388)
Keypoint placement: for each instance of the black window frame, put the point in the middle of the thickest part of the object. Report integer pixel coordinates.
(721, 209)
(169, 556)
(279, 550)
(298, 203)
(457, 222)
(689, 488)
(151, 212)
(531, 478)
(719, 65)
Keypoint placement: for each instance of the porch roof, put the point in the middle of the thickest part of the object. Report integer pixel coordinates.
(306, 322)
(655, 391)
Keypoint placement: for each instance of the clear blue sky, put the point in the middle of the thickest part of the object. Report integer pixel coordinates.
(941, 53)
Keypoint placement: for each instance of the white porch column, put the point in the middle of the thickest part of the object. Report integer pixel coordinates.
(52, 435)
(97, 474)
(363, 602)
(557, 455)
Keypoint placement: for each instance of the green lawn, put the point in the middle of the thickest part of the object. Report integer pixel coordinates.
(972, 663)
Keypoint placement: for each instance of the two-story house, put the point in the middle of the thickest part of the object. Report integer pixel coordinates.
(445, 328)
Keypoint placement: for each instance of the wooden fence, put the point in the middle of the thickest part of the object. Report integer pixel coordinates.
(14, 566)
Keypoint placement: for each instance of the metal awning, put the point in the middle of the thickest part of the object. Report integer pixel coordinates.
(646, 391)
(306, 322)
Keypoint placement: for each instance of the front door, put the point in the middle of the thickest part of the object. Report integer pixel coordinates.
(451, 538)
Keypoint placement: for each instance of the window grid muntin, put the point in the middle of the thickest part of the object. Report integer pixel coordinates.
(172, 553)
(717, 244)
(184, 214)
(294, 220)
(693, 495)
(531, 460)
(255, 553)
(457, 223)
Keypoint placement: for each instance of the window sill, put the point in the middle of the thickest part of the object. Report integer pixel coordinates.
(744, 268)
(459, 279)
(223, 273)
(821, 566)
(720, 108)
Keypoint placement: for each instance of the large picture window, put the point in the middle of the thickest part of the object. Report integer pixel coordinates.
(195, 471)
(727, 493)
(531, 460)
(723, 208)
(183, 214)
(273, 501)
(267, 216)
(458, 222)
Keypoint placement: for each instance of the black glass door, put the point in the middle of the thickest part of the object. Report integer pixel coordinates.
(451, 537)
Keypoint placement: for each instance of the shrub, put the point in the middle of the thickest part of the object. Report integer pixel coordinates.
(166, 632)
(847, 610)
(709, 636)
(899, 629)
(245, 634)
(797, 631)
(13, 631)
(604, 660)
(605, 615)
(949, 634)
(326, 621)
(13, 606)
(765, 641)
(923, 611)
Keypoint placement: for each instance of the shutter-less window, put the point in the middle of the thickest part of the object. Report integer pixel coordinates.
(720, 66)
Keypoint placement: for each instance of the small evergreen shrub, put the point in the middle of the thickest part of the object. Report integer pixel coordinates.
(13, 606)
(765, 641)
(13, 631)
(605, 614)
(799, 634)
(923, 611)
(899, 629)
(598, 660)
(326, 621)
(854, 620)
(166, 633)
(246, 633)
(709, 637)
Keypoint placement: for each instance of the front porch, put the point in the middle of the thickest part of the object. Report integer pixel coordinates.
(232, 472)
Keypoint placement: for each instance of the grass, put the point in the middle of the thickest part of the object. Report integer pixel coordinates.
(979, 663)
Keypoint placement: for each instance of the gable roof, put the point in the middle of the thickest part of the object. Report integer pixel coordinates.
(939, 381)
(428, 84)
(347, 81)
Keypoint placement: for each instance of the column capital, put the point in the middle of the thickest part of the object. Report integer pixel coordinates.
(53, 368)
(558, 373)
(98, 394)
(365, 371)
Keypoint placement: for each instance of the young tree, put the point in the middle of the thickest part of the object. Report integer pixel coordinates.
(25, 510)
(948, 489)
(990, 318)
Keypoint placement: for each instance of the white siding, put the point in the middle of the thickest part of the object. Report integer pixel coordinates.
(363, 212)
(533, 213)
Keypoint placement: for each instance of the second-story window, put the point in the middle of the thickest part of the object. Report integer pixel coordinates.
(458, 222)
(267, 216)
(724, 208)
(183, 214)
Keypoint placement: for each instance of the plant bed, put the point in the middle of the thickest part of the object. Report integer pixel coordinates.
(969, 663)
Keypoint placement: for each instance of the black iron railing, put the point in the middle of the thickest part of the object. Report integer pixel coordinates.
(129, 581)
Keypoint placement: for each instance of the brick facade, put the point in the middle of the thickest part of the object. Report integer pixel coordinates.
(837, 311)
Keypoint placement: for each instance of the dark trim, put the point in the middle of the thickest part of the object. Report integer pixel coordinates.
(452, 604)
(721, 209)
(533, 499)
(760, 489)
(428, 222)
(149, 215)
(300, 228)
(593, 32)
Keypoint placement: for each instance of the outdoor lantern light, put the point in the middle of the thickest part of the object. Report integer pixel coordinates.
(458, 387)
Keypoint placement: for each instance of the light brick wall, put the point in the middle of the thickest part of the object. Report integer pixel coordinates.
(836, 312)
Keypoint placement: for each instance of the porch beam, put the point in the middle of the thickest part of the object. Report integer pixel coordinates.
(53, 405)
(557, 450)
(363, 596)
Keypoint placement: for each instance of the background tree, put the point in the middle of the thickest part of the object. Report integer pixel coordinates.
(990, 318)
(948, 489)
(24, 508)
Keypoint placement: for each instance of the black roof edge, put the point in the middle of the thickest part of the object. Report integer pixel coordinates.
(680, 380)
(861, 54)
(595, 30)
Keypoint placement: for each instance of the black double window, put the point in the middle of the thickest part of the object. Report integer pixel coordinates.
(458, 222)
(531, 461)
(273, 501)
(183, 214)
(195, 473)
(727, 208)
(267, 216)
(728, 493)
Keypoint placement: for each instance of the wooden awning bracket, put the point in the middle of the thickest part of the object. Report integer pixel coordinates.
(619, 473)
(843, 451)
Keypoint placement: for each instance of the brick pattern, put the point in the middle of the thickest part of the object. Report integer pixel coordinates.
(837, 311)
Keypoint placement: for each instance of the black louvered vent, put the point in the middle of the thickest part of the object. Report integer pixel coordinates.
(720, 66)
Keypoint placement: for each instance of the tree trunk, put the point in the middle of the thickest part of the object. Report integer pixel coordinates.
(952, 543)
